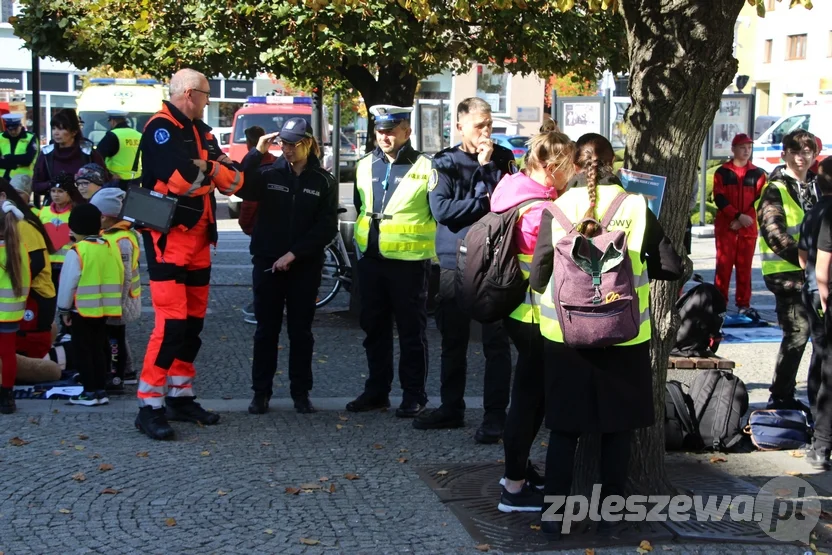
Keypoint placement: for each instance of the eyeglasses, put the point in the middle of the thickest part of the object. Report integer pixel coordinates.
(82, 183)
(284, 144)
(206, 93)
(806, 153)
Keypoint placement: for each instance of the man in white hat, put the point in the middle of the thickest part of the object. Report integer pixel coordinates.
(18, 148)
(395, 239)
(119, 147)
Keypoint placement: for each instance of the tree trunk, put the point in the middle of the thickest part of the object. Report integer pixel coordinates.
(393, 85)
(681, 60)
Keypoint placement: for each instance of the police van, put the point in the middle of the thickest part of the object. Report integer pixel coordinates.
(140, 97)
(814, 116)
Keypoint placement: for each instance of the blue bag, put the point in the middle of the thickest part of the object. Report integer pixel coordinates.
(772, 430)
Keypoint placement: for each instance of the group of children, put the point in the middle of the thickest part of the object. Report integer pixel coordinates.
(77, 258)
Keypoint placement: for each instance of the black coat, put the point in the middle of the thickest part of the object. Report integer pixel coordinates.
(601, 390)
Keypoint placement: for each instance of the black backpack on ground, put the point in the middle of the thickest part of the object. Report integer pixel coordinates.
(702, 312)
(489, 284)
(680, 429)
(720, 401)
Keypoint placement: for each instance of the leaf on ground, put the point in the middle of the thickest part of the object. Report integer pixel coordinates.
(378, 446)
(323, 479)
(535, 527)
(343, 418)
(142, 454)
(331, 488)
(292, 490)
(402, 460)
(589, 551)
(402, 450)
(170, 521)
(351, 476)
(359, 425)
(797, 454)
(268, 531)
(17, 442)
(442, 473)
(715, 460)
(645, 546)
(311, 485)
(544, 444)
(105, 467)
(79, 477)
(222, 492)
(83, 437)
(265, 443)
(57, 453)
(95, 456)
(321, 361)
(338, 426)
(309, 541)
(483, 547)
(109, 491)
(206, 453)
(79, 447)
(36, 421)
(501, 461)
(64, 511)
(793, 473)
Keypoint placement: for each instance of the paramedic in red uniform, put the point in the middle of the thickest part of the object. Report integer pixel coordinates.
(737, 186)
(179, 159)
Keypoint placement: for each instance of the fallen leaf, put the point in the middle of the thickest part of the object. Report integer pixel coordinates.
(170, 521)
(793, 473)
(292, 490)
(142, 454)
(644, 546)
(342, 418)
(309, 541)
(57, 453)
(351, 476)
(206, 453)
(221, 493)
(589, 551)
(483, 547)
(79, 477)
(64, 511)
(83, 437)
(331, 488)
(34, 420)
(321, 361)
(442, 473)
(402, 450)
(268, 531)
(17, 442)
(402, 460)
(338, 426)
(79, 447)
(715, 460)
(535, 527)
(323, 479)
(109, 491)
(95, 456)
(797, 454)
(359, 425)
(544, 444)
(311, 486)
(378, 446)
(265, 443)
(105, 467)
(501, 461)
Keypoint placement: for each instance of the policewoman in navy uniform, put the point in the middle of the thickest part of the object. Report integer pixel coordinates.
(395, 236)
(297, 218)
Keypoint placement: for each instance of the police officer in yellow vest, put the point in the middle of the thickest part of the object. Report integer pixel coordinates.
(18, 148)
(395, 240)
(119, 146)
(788, 194)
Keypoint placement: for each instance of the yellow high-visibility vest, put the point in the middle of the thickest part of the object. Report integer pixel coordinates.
(113, 237)
(408, 230)
(770, 261)
(102, 273)
(529, 310)
(13, 306)
(121, 163)
(19, 149)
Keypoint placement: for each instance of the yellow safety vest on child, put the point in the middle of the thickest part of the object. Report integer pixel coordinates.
(102, 273)
(13, 306)
(113, 237)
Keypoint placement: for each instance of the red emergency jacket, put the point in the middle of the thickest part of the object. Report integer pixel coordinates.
(735, 191)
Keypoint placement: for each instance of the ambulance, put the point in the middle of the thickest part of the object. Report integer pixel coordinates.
(814, 116)
(140, 97)
(268, 112)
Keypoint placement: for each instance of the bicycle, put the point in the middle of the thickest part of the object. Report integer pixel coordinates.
(337, 270)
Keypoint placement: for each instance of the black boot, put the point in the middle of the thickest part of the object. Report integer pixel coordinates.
(304, 406)
(153, 423)
(186, 409)
(491, 429)
(7, 405)
(441, 418)
(365, 402)
(818, 457)
(260, 403)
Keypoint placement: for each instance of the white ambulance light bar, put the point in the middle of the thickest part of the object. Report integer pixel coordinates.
(279, 100)
(115, 81)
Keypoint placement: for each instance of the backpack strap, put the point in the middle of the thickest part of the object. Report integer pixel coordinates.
(678, 400)
(612, 209)
(704, 393)
(558, 214)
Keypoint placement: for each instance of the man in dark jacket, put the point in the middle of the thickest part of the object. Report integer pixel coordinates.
(788, 195)
(18, 148)
(464, 177)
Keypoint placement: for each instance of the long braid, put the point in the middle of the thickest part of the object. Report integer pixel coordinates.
(590, 229)
(12, 239)
(594, 157)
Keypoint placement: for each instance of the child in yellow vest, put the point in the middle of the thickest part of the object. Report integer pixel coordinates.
(90, 292)
(15, 280)
(55, 217)
(119, 234)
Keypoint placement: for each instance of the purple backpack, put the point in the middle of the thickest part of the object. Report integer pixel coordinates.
(594, 289)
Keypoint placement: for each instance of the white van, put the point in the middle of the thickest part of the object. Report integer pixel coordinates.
(140, 97)
(814, 116)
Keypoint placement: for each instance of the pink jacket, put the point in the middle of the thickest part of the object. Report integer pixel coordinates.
(516, 189)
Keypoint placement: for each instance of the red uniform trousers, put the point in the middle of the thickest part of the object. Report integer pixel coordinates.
(734, 249)
(179, 265)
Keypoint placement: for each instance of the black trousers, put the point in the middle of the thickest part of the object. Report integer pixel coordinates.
(92, 351)
(560, 462)
(117, 349)
(527, 397)
(793, 318)
(297, 290)
(822, 407)
(455, 327)
(819, 344)
(395, 290)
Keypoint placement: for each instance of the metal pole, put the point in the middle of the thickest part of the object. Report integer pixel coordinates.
(553, 109)
(35, 87)
(336, 137)
(703, 181)
(608, 114)
(317, 113)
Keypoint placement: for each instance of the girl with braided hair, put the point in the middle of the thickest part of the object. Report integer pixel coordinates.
(598, 390)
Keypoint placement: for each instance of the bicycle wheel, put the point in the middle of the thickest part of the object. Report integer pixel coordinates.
(330, 283)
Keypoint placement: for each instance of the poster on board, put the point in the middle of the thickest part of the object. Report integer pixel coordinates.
(580, 118)
(649, 185)
(733, 117)
(430, 128)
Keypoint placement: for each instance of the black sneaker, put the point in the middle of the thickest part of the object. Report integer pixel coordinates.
(489, 433)
(441, 418)
(153, 423)
(248, 310)
(7, 404)
(533, 477)
(527, 500)
(750, 313)
(365, 402)
(130, 378)
(86, 399)
(818, 457)
(260, 403)
(186, 409)
(102, 397)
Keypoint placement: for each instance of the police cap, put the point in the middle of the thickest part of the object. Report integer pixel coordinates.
(116, 114)
(388, 116)
(12, 120)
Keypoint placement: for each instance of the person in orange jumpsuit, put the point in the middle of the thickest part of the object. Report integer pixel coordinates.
(737, 185)
(181, 159)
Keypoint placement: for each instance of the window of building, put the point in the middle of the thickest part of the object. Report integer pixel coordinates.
(6, 10)
(767, 46)
(493, 88)
(796, 47)
(769, 5)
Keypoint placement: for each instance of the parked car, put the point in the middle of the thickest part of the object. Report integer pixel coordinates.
(515, 143)
(223, 135)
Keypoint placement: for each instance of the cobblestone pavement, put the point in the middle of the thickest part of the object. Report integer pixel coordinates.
(82, 480)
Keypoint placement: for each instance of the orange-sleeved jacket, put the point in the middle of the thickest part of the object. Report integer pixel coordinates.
(735, 191)
(170, 143)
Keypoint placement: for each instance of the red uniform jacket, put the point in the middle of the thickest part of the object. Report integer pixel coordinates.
(735, 191)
